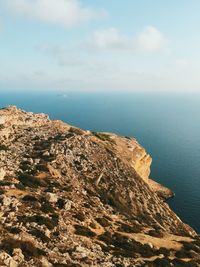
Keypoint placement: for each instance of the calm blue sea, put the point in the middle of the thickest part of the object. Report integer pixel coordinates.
(167, 125)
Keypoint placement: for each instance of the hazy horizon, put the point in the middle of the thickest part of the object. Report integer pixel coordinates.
(65, 93)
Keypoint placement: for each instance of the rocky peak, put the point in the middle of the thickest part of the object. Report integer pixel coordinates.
(70, 197)
(13, 116)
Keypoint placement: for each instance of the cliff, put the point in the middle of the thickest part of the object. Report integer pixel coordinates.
(70, 197)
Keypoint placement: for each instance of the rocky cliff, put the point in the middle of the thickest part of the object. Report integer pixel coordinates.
(70, 197)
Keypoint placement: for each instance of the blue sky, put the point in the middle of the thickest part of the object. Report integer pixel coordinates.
(100, 45)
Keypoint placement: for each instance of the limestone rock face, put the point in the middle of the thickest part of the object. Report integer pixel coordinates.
(70, 197)
(131, 152)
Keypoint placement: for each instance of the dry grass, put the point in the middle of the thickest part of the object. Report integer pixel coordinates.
(17, 193)
(168, 241)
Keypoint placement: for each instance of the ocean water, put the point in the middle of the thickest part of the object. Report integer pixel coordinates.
(167, 125)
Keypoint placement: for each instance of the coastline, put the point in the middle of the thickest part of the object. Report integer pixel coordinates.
(162, 191)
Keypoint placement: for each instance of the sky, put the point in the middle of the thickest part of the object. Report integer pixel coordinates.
(100, 45)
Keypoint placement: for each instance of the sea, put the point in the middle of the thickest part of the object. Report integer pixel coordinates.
(166, 124)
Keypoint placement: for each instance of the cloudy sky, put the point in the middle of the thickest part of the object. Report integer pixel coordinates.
(100, 45)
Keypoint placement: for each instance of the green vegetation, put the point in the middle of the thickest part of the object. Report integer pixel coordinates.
(28, 248)
(76, 131)
(3, 147)
(103, 222)
(39, 234)
(50, 223)
(80, 216)
(104, 137)
(47, 208)
(29, 198)
(120, 245)
(155, 233)
(31, 181)
(83, 231)
(129, 228)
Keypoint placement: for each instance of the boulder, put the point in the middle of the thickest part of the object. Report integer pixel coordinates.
(52, 198)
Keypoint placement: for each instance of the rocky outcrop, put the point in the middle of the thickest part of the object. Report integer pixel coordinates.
(135, 155)
(70, 197)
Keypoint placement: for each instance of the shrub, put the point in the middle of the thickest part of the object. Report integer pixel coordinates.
(180, 263)
(50, 223)
(5, 183)
(29, 198)
(192, 246)
(80, 216)
(3, 147)
(155, 233)
(84, 231)
(123, 246)
(14, 230)
(165, 262)
(164, 251)
(104, 137)
(76, 131)
(129, 228)
(39, 234)
(2, 191)
(103, 221)
(28, 248)
(31, 181)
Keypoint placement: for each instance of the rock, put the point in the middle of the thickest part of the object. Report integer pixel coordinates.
(6, 201)
(48, 233)
(46, 153)
(31, 161)
(150, 244)
(18, 255)
(6, 260)
(2, 120)
(80, 253)
(68, 205)
(2, 174)
(45, 263)
(52, 198)
(194, 254)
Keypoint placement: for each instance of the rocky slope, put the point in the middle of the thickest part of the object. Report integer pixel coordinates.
(70, 197)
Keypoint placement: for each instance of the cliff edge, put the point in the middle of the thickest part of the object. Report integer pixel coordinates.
(70, 197)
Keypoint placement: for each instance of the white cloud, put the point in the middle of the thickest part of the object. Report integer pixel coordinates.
(62, 12)
(109, 38)
(150, 40)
